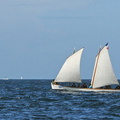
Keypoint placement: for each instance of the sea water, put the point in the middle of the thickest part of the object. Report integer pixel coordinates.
(35, 100)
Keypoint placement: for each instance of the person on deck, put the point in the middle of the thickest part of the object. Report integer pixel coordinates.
(84, 85)
(108, 87)
(54, 82)
(78, 85)
(117, 87)
(90, 86)
(73, 85)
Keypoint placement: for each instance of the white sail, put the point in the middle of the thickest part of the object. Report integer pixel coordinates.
(70, 71)
(103, 73)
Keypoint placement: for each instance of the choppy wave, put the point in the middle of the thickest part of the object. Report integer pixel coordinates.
(34, 99)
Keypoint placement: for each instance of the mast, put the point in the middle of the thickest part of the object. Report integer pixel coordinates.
(74, 50)
(95, 69)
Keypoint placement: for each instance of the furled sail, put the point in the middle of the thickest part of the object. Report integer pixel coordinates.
(70, 71)
(103, 73)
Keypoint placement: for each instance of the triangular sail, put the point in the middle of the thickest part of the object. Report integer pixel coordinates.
(103, 73)
(70, 71)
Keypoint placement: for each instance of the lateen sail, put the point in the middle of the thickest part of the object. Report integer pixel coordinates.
(70, 71)
(103, 73)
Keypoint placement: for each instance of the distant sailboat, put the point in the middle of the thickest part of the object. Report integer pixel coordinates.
(103, 74)
(5, 78)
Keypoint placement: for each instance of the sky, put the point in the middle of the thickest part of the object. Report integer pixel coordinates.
(36, 36)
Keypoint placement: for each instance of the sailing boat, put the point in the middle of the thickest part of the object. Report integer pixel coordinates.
(5, 78)
(70, 71)
(103, 74)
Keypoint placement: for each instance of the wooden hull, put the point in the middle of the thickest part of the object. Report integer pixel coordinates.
(59, 87)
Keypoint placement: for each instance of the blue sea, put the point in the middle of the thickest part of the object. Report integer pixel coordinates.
(34, 100)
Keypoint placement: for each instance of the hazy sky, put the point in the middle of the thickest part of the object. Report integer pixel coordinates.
(36, 36)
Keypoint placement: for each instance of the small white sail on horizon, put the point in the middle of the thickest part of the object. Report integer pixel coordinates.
(103, 73)
(5, 78)
(70, 71)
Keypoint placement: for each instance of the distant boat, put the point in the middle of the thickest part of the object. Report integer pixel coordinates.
(21, 77)
(103, 74)
(5, 78)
